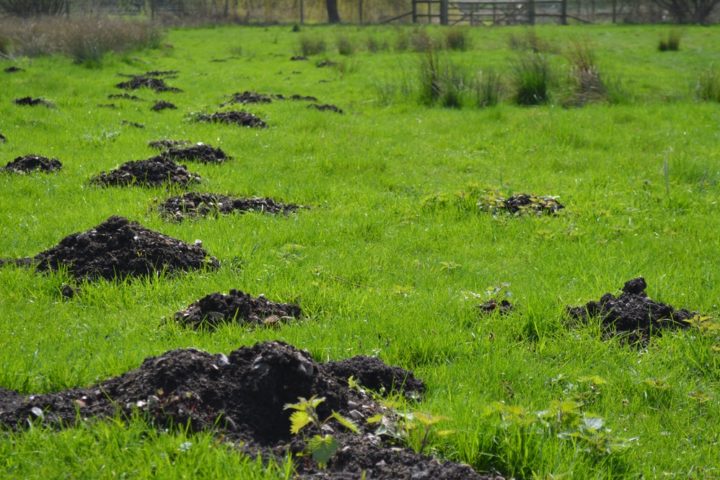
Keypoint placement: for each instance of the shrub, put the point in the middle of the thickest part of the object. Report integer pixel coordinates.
(457, 39)
(488, 88)
(344, 45)
(708, 86)
(671, 43)
(311, 45)
(532, 80)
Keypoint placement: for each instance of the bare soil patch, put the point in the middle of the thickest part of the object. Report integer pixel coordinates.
(152, 172)
(216, 309)
(521, 203)
(119, 248)
(503, 307)
(33, 163)
(243, 119)
(242, 397)
(247, 97)
(33, 102)
(151, 80)
(166, 143)
(326, 107)
(326, 63)
(13, 69)
(298, 58)
(132, 124)
(163, 105)
(194, 204)
(124, 96)
(195, 153)
(632, 315)
(111, 106)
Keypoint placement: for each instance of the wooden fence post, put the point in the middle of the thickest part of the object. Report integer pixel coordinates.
(563, 12)
(302, 12)
(531, 12)
(444, 8)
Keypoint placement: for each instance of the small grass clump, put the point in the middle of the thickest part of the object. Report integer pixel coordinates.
(374, 45)
(529, 40)
(457, 39)
(671, 42)
(531, 75)
(588, 86)
(311, 45)
(441, 82)
(488, 88)
(421, 41)
(708, 86)
(344, 45)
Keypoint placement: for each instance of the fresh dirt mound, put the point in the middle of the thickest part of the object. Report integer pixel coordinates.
(33, 102)
(195, 153)
(242, 396)
(216, 309)
(303, 98)
(202, 204)
(326, 107)
(520, 204)
(248, 97)
(632, 314)
(244, 119)
(165, 144)
(372, 373)
(119, 248)
(502, 307)
(124, 96)
(13, 69)
(152, 172)
(163, 105)
(33, 163)
(149, 80)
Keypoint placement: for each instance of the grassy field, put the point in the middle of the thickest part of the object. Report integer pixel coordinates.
(393, 256)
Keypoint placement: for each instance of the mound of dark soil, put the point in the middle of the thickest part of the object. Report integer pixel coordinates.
(242, 396)
(119, 248)
(166, 144)
(33, 102)
(503, 307)
(244, 119)
(298, 58)
(326, 107)
(304, 98)
(195, 153)
(13, 69)
(149, 80)
(124, 96)
(326, 63)
(132, 124)
(163, 105)
(217, 308)
(632, 314)
(248, 97)
(375, 375)
(152, 172)
(33, 163)
(202, 204)
(520, 204)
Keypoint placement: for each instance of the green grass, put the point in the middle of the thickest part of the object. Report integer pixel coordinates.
(377, 268)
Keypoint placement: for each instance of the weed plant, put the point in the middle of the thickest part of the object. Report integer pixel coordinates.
(440, 81)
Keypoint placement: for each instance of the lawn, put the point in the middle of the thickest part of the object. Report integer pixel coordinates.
(392, 255)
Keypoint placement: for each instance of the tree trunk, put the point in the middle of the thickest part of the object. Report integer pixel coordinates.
(332, 10)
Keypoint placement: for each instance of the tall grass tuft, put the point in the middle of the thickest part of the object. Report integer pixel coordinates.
(344, 45)
(374, 45)
(531, 77)
(708, 86)
(441, 82)
(529, 40)
(488, 88)
(588, 86)
(671, 43)
(421, 41)
(311, 45)
(457, 39)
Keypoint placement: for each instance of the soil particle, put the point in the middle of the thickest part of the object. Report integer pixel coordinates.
(247, 97)
(632, 314)
(326, 63)
(166, 144)
(242, 397)
(119, 248)
(203, 204)
(32, 102)
(502, 307)
(124, 96)
(244, 119)
(216, 309)
(13, 69)
(152, 172)
(298, 58)
(149, 80)
(33, 163)
(132, 124)
(520, 204)
(68, 291)
(163, 105)
(326, 107)
(195, 153)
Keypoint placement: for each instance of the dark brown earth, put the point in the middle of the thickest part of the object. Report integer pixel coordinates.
(244, 119)
(194, 204)
(165, 144)
(33, 102)
(298, 58)
(163, 105)
(521, 203)
(124, 96)
(326, 63)
(632, 315)
(248, 97)
(502, 307)
(242, 397)
(132, 124)
(217, 309)
(13, 69)
(119, 248)
(195, 153)
(33, 163)
(149, 80)
(152, 172)
(326, 107)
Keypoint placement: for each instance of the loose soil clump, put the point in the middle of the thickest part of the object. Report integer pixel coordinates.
(124, 96)
(242, 396)
(165, 144)
(119, 248)
(163, 105)
(152, 172)
(195, 153)
(33, 102)
(247, 97)
(326, 108)
(632, 315)
(502, 307)
(244, 119)
(298, 58)
(217, 309)
(33, 163)
(149, 80)
(326, 63)
(132, 124)
(203, 204)
(519, 204)
(13, 69)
